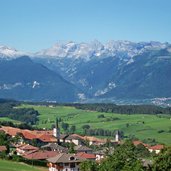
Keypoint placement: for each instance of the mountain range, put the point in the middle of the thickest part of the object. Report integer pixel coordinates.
(74, 72)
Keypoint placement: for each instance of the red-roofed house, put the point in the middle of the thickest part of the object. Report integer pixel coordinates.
(156, 148)
(139, 142)
(87, 156)
(10, 130)
(47, 138)
(28, 135)
(40, 155)
(25, 148)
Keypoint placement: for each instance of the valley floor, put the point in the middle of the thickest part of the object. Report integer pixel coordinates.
(141, 126)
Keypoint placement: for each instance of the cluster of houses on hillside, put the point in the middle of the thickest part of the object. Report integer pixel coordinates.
(49, 147)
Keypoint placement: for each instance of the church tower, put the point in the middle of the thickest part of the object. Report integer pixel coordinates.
(56, 131)
(117, 137)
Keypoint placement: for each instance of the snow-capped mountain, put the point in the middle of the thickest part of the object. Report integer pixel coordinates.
(97, 49)
(116, 69)
(109, 70)
(8, 53)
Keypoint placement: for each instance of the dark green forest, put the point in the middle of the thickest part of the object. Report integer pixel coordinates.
(8, 109)
(124, 109)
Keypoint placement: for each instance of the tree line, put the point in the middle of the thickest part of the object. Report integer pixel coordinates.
(9, 109)
(123, 109)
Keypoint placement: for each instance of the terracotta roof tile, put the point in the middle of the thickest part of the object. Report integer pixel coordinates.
(28, 135)
(47, 138)
(86, 155)
(157, 147)
(41, 155)
(28, 147)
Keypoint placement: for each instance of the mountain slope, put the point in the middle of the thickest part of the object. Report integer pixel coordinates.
(147, 77)
(23, 79)
(127, 70)
(115, 70)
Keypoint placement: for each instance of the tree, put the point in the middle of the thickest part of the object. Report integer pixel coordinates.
(89, 166)
(142, 151)
(86, 126)
(101, 116)
(123, 159)
(162, 162)
(3, 138)
(71, 148)
(72, 128)
(65, 126)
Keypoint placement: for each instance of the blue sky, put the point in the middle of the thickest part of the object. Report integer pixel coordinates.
(31, 25)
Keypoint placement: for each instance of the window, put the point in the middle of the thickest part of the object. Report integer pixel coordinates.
(72, 165)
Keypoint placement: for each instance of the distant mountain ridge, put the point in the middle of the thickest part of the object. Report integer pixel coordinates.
(111, 71)
(22, 79)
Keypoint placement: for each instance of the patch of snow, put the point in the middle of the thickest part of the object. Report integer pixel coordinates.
(81, 96)
(35, 84)
(10, 86)
(109, 87)
(8, 53)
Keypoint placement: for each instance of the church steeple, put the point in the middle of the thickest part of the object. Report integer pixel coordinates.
(117, 138)
(57, 131)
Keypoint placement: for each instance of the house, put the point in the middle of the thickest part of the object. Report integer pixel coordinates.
(82, 148)
(10, 130)
(94, 140)
(87, 156)
(55, 147)
(64, 162)
(40, 155)
(74, 139)
(99, 155)
(25, 148)
(46, 138)
(156, 148)
(139, 142)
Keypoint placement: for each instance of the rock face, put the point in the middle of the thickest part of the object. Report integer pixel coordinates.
(79, 71)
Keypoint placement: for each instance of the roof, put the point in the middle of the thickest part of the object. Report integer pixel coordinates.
(100, 152)
(47, 138)
(40, 155)
(66, 158)
(10, 130)
(28, 147)
(86, 155)
(82, 148)
(72, 137)
(139, 142)
(76, 135)
(157, 147)
(28, 135)
(94, 139)
(54, 146)
(3, 148)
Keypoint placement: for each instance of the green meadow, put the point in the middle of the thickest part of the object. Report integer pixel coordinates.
(8, 119)
(142, 126)
(6, 165)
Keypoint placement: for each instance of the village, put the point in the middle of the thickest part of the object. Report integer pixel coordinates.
(61, 152)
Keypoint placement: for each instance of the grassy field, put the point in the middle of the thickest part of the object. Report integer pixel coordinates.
(15, 166)
(8, 119)
(140, 125)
